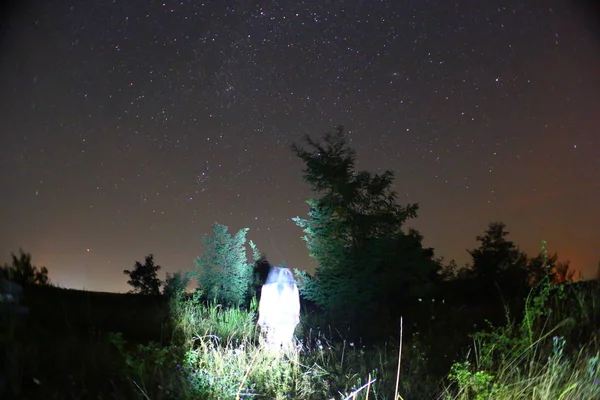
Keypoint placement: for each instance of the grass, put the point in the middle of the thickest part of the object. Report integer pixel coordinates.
(107, 346)
(553, 353)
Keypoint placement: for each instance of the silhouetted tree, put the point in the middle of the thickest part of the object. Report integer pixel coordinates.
(354, 232)
(23, 272)
(562, 272)
(262, 266)
(144, 278)
(223, 272)
(541, 265)
(495, 254)
(452, 271)
(498, 264)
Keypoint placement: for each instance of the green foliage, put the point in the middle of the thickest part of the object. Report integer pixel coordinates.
(542, 265)
(147, 365)
(529, 360)
(539, 372)
(216, 352)
(502, 343)
(223, 272)
(478, 386)
(354, 232)
(225, 372)
(577, 305)
(23, 272)
(537, 304)
(144, 278)
(176, 283)
(194, 319)
(224, 357)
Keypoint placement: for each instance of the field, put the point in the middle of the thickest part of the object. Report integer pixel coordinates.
(87, 345)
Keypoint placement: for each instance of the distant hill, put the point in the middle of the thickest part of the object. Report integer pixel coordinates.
(138, 317)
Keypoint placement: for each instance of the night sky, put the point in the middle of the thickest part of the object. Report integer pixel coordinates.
(130, 126)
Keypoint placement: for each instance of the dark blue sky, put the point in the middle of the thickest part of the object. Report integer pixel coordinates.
(129, 127)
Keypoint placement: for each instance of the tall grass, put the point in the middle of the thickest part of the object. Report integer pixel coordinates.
(530, 374)
(193, 320)
(552, 353)
(225, 357)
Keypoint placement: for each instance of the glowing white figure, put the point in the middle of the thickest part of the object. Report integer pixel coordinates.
(279, 308)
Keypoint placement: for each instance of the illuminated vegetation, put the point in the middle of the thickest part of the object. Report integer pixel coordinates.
(508, 326)
(187, 348)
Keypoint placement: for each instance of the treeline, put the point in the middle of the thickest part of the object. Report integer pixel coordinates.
(369, 266)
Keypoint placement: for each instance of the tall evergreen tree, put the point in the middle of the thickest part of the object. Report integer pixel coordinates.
(223, 272)
(354, 232)
(176, 283)
(496, 254)
(498, 266)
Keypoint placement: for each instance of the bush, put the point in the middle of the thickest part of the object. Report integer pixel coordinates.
(532, 359)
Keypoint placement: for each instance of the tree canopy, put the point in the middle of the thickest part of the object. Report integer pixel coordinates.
(176, 283)
(499, 265)
(23, 272)
(354, 231)
(496, 254)
(143, 278)
(222, 271)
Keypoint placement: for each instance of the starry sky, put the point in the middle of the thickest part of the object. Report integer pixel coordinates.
(130, 126)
